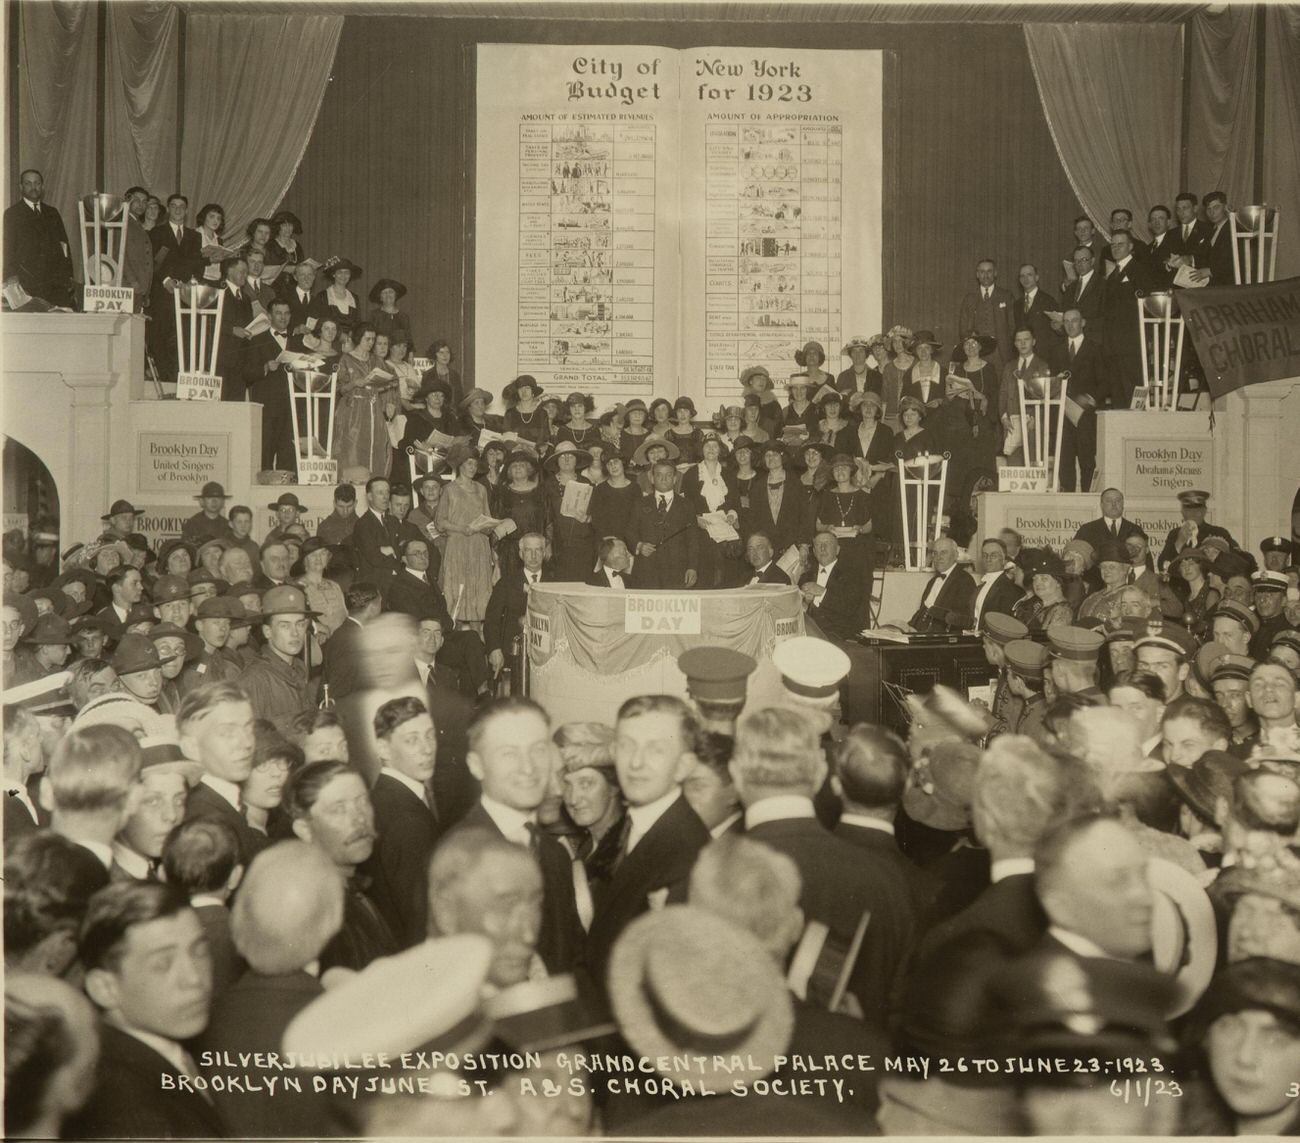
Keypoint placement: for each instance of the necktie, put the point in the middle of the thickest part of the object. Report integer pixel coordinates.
(987, 293)
(585, 846)
(663, 505)
(1024, 364)
(154, 864)
(1114, 529)
(1073, 348)
(1187, 230)
(534, 836)
(624, 832)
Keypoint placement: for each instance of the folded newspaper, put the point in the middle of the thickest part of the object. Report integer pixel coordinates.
(719, 528)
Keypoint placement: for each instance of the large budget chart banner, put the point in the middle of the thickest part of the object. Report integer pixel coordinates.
(652, 220)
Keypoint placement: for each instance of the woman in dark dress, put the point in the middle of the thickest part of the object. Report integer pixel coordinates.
(800, 412)
(911, 441)
(525, 416)
(959, 430)
(816, 475)
(520, 498)
(433, 415)
(634, 432)
(336, 300)
(578, 428)
(285, 249)
(614, 500)
(441, 356)
(744, 473)
(834, 429)
(474, 417)
(573, 541)
(491, 472)
(707, 487)
(661, 416)
(385, 316)
(844, 507)
(970, 360)
(555, 417)
(683, 433)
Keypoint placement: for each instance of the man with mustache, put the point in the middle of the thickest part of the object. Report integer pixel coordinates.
(330, 807)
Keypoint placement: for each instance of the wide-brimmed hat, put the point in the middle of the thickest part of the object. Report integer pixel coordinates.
(141, 612)
(85, 623)
(333, 265)
(135, 653)
(825, 451)
(286, 216)
(857, 341)
(987, 343)
(544, 1015)
(219, 542)
(193, 644)
(1199, 555)
(801, 355)
(58, 601)
(1184, 937)
(212, 488)
(287, 500)
(522, 455)
(940, 786)
(387, 284)
(1257, 982)
(433, 385)
(581, 456)
(226, 607)
(639, 457)
(475, 395)
(170, 588)
(926, 337)
(459, 453)
(49, 630)
(121, 506)
(583, 399)
(1085, 549)
(686, 983)
(286, 599)
(524, 381)
(84, 576)
(1207, 779)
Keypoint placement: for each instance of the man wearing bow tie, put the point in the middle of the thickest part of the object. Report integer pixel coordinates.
(36, 245)
(948, 601)
(615, 565)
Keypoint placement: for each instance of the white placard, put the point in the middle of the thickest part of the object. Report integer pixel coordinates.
(667, 613)
(642, 209)
(318, 470)
(198, 387)
(108, 300)
(1023, 478)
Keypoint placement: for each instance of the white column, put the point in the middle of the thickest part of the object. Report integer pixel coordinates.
(1257, 469)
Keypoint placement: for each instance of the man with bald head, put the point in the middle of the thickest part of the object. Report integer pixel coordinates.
(948, 601)
(289, 906)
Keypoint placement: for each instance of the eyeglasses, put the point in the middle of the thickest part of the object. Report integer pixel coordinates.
(273, 766)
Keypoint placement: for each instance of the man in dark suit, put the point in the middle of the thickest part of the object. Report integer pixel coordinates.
(663, 534)
(988, 309)
(236, 313)
(177, 257)
(762, 561)
(1189, 237)
(1122, 350)
(510, 754)
(289, 907)
(948, 601)
(1032, 308)
(1110, 525)
(1121, 218)
(778, 766)
(408, 831)
(509, 600)
(215, 725)
(837, 592)
(1080, 355)
(341, 669)
(267, 384)
(414, 586)
(129, 928)
(1218, 242)
(137, 249)
(1026, 363)
(1087, 292)
(36, 245)
(1161, 246)
(1194, 530)
(298, 293)
(997, 590)
(258, 289)
(615, 565)
(454, 790)
(656, 739)
(23, 757)
(376, 534)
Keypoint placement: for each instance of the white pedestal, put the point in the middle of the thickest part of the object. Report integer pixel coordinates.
(1050, 519)
(1153, 456)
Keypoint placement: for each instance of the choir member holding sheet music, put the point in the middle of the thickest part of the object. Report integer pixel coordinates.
(366, 398)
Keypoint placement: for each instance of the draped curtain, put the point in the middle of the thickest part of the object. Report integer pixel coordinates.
(1112, 95)
(1221, 107)
(1282, 122)
(57, 119)
(140, 96)
(253, 87)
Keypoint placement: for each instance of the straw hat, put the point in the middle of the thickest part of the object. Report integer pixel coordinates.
(567, 448)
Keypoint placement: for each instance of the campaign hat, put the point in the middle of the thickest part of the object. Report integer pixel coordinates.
(212, 488)
(49, 630)
(121, 506)
(285, 599)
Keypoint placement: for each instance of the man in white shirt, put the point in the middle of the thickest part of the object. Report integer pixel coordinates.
(1091, 876)
(129, 931)
(947, 603)
(759, 554)
(88, 788)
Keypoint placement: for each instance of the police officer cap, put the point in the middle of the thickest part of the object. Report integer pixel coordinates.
(1270, 581)
(810, 667)
(1027, 658)
(1193, 498)
(1238, 611)
(1203, 664)
(1230, 666)
(1123, 629)
(1277, 544)
(1287, 637)
(1170, 636)
(1075, 643)
(1003, 628)
(716, 674)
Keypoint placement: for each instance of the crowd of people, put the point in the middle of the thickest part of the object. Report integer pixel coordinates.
(289, 854)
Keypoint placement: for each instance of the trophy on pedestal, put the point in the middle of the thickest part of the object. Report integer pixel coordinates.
(198, 338)
(103, 220)
(1042, 413)
(925, 476)
(310, 389)
(1162, 348)
(1254, 244)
